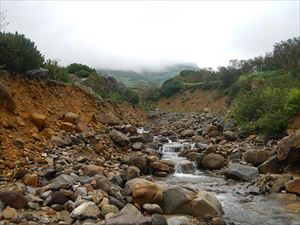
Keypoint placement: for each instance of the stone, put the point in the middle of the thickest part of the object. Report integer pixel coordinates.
(187, 133)
(131, 172)
(176, 196)
(97, 197)
(213, 133)
(66, 126)
(140, 162)
(119, 138)
(229, 135)
(269, 166)
(62, 181)
(143, 191)
(56, 198)
(186, 166)
(31, 180)
(288, 149)
(158, 219)
(152, 208)
(72, 118)
(241, 172)
(19, 143)
(38, 120)
(106, 209)
(101, 182)
(257, 157)
(218, 221)
(178, 220)
(86, 210)
(108, 118)
(13, 199)
(293, 186)
(9, 213)
(127, 220)
(138, 146)
(21, 173)
(92, 170)
(213, 161)
(136, 138)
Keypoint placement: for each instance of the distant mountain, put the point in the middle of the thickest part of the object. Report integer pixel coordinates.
(147, 77)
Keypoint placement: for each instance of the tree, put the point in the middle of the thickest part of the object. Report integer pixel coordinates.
(18, 53)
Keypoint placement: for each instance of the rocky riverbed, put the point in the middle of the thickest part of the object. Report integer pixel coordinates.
(178, 169)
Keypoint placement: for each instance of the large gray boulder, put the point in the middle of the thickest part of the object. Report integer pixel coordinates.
(213, 161)
(257, 157)
(241, 172)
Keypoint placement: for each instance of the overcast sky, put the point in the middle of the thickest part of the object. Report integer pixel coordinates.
(151, 34)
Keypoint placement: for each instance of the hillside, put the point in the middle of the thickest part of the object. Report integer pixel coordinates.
(147, 77)
(52, 100)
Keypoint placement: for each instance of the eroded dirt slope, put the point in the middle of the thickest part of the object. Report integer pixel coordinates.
(21, 141)
(193, 101)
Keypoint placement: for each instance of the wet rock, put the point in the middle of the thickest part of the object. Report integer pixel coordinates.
(13, 199)
(143, 191)
(138, 146)
(218, 221)
(119, 138)
(38, 120)
(161, 167)
(257, 157)
(269, 166)
(241, 172)
(186, 166)
(213, 161)
(152, 208)
(85, 211)
(293, 186)
(9, 213)
(158, 219)
(195, 157)
(72, 118)
(130, 173)
(288, 149)
(92, 170)
(279, 183)
(229, 136)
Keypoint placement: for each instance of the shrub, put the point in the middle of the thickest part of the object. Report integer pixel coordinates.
(80, 70)
(56, 72)
(267, 110)
(170, 87)
(18, 53)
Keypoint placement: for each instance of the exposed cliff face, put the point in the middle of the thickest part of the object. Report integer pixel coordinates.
(21, 140)
(193, 101)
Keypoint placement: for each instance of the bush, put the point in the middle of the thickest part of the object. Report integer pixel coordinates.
(18, 53)
(80, 70)
(267, 110)
(170, 87)
(56, 72)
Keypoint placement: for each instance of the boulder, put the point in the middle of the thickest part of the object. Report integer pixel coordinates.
(138, 161)
(106, 209)
(229, 136)
(213, 161)
(130, 173)
(107, 118)
(187, 133)
(178, 220)
(152, 208)
(56, 198)
(13, 199)
(63, 181)
(158, 219)
(31, 180)
(257, 157)
(92, 170)
(38, 120)
(85, 211)
(119, 138)
(143, 191)
(72, 118)
(161, 167)
(269, 166)
(186, 166)
(293, 186)
(138, 146)
(176, 196)
(66, 126)
(288, 149)
(241, 172)
(195, 157)
(9, 213)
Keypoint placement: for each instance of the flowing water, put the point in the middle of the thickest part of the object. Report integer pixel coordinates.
(241, 201)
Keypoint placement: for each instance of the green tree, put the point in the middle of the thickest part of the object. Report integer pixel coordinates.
(170, 87)
(18, 53)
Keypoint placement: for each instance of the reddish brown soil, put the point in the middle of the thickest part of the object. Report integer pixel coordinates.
(193, 101)
(53, 101)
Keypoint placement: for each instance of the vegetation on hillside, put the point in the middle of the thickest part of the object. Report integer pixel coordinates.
(19, 54)
(264, 92)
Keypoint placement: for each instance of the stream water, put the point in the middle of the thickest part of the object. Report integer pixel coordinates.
(241, 201)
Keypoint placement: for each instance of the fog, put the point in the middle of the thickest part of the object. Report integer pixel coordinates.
(137, 35)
